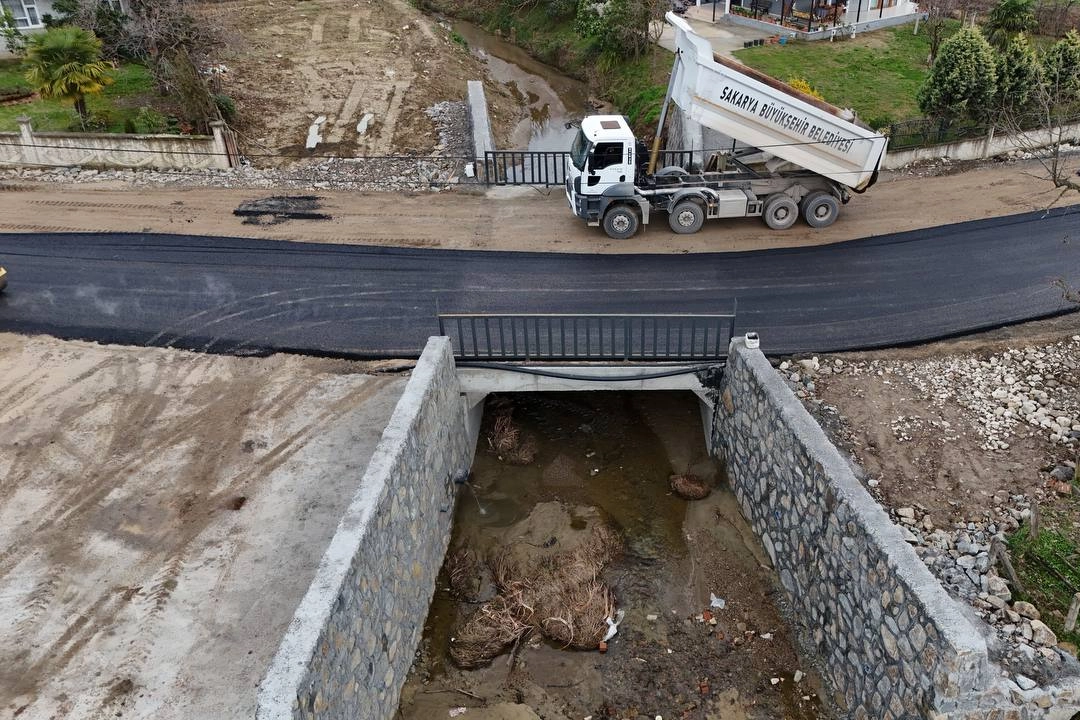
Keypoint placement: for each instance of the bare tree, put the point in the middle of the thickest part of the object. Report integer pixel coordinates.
(1044, 131)
(938, 13)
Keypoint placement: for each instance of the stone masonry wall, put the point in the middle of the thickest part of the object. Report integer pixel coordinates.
(894, 643)
(352, 639)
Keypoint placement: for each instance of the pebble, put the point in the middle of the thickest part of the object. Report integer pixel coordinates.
(1026, 609)
(1025, 682)
(434, 172)
(1042, 635)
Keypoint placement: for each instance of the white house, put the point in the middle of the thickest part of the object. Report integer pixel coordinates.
(28, 13)
(865, 14)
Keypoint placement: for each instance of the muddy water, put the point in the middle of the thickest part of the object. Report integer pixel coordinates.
(551, 98)
(607, 457)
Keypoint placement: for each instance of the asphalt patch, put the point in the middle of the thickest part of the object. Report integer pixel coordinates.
(279, 208)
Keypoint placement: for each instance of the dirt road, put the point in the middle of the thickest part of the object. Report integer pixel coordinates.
(507, 219)
(370, 68)
(161, 515)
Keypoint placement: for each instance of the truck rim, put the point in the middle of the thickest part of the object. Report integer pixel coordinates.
(687, 218)
(620, 222)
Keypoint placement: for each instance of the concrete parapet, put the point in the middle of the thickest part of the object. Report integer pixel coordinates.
(353, 637)
(483, 140)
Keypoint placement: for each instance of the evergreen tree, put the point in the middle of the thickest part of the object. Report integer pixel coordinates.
(1019, 76)
(65, 63)
(963, 80)
(1061, 68)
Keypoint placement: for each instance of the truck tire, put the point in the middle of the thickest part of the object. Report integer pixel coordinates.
(621, 222)
(687, 217)
(780, 212)
(820, 209)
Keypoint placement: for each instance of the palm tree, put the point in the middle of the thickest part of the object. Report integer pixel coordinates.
(1008, 19)
(65, 63)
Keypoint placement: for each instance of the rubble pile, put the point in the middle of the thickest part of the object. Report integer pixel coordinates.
(1019, 390)
(442, 169)
(962, 559)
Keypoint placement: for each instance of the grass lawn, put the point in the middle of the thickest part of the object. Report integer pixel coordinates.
(119, 102)
(1049, 567)
(877, 74)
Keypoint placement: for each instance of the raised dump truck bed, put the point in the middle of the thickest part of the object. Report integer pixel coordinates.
(793, 155)
(743, 104)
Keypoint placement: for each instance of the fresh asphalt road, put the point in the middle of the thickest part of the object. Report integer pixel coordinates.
(247, 296)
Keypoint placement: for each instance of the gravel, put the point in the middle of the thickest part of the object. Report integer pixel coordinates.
(441, 170)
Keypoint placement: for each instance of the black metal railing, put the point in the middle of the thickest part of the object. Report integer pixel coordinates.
(524, 167)
(589, 337)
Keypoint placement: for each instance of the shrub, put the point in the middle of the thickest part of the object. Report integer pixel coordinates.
(149, 121)
(803, 85)
(226, 106)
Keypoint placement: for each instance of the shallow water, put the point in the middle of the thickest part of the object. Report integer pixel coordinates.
(611, 455)
(552, 98)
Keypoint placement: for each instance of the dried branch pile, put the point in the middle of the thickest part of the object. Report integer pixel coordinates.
(561, 597)
(506, 439)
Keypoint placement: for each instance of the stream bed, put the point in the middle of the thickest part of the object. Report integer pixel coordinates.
(701, 634)
(551, 98)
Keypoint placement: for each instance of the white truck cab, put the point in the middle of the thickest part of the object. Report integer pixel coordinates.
(601, 169)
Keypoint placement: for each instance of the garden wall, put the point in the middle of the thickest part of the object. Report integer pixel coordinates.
(115, 150)
(985, 147)
(894, 644)
(353, 637)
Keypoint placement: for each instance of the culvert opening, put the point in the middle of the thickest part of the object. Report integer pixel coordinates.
(569, 519)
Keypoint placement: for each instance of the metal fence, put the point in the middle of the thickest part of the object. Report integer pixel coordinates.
(589, 337)
(924, 132)
(524, 167)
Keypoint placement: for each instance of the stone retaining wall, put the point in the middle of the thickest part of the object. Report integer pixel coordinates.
(353, 637)
(894, 644)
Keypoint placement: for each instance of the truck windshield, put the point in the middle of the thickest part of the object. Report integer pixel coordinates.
(579, 151)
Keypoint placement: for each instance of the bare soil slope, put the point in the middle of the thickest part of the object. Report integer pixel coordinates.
(921, 421)
(292, 62)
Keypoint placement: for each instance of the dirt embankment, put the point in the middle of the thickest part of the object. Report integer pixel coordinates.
(925, 422)
(970, 445)
(371, 68)
(161, 515)
(520, 219)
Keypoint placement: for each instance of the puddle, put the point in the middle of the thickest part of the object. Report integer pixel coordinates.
(552, 98)
(604, 459)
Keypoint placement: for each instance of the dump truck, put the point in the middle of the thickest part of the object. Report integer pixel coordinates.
(790, 154)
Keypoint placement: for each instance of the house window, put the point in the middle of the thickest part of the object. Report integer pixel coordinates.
(25, 12)
(876, 4)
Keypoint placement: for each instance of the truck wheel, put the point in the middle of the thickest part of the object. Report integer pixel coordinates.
(686, 217)
(781, 212)
(820, 209)
(621, 222)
